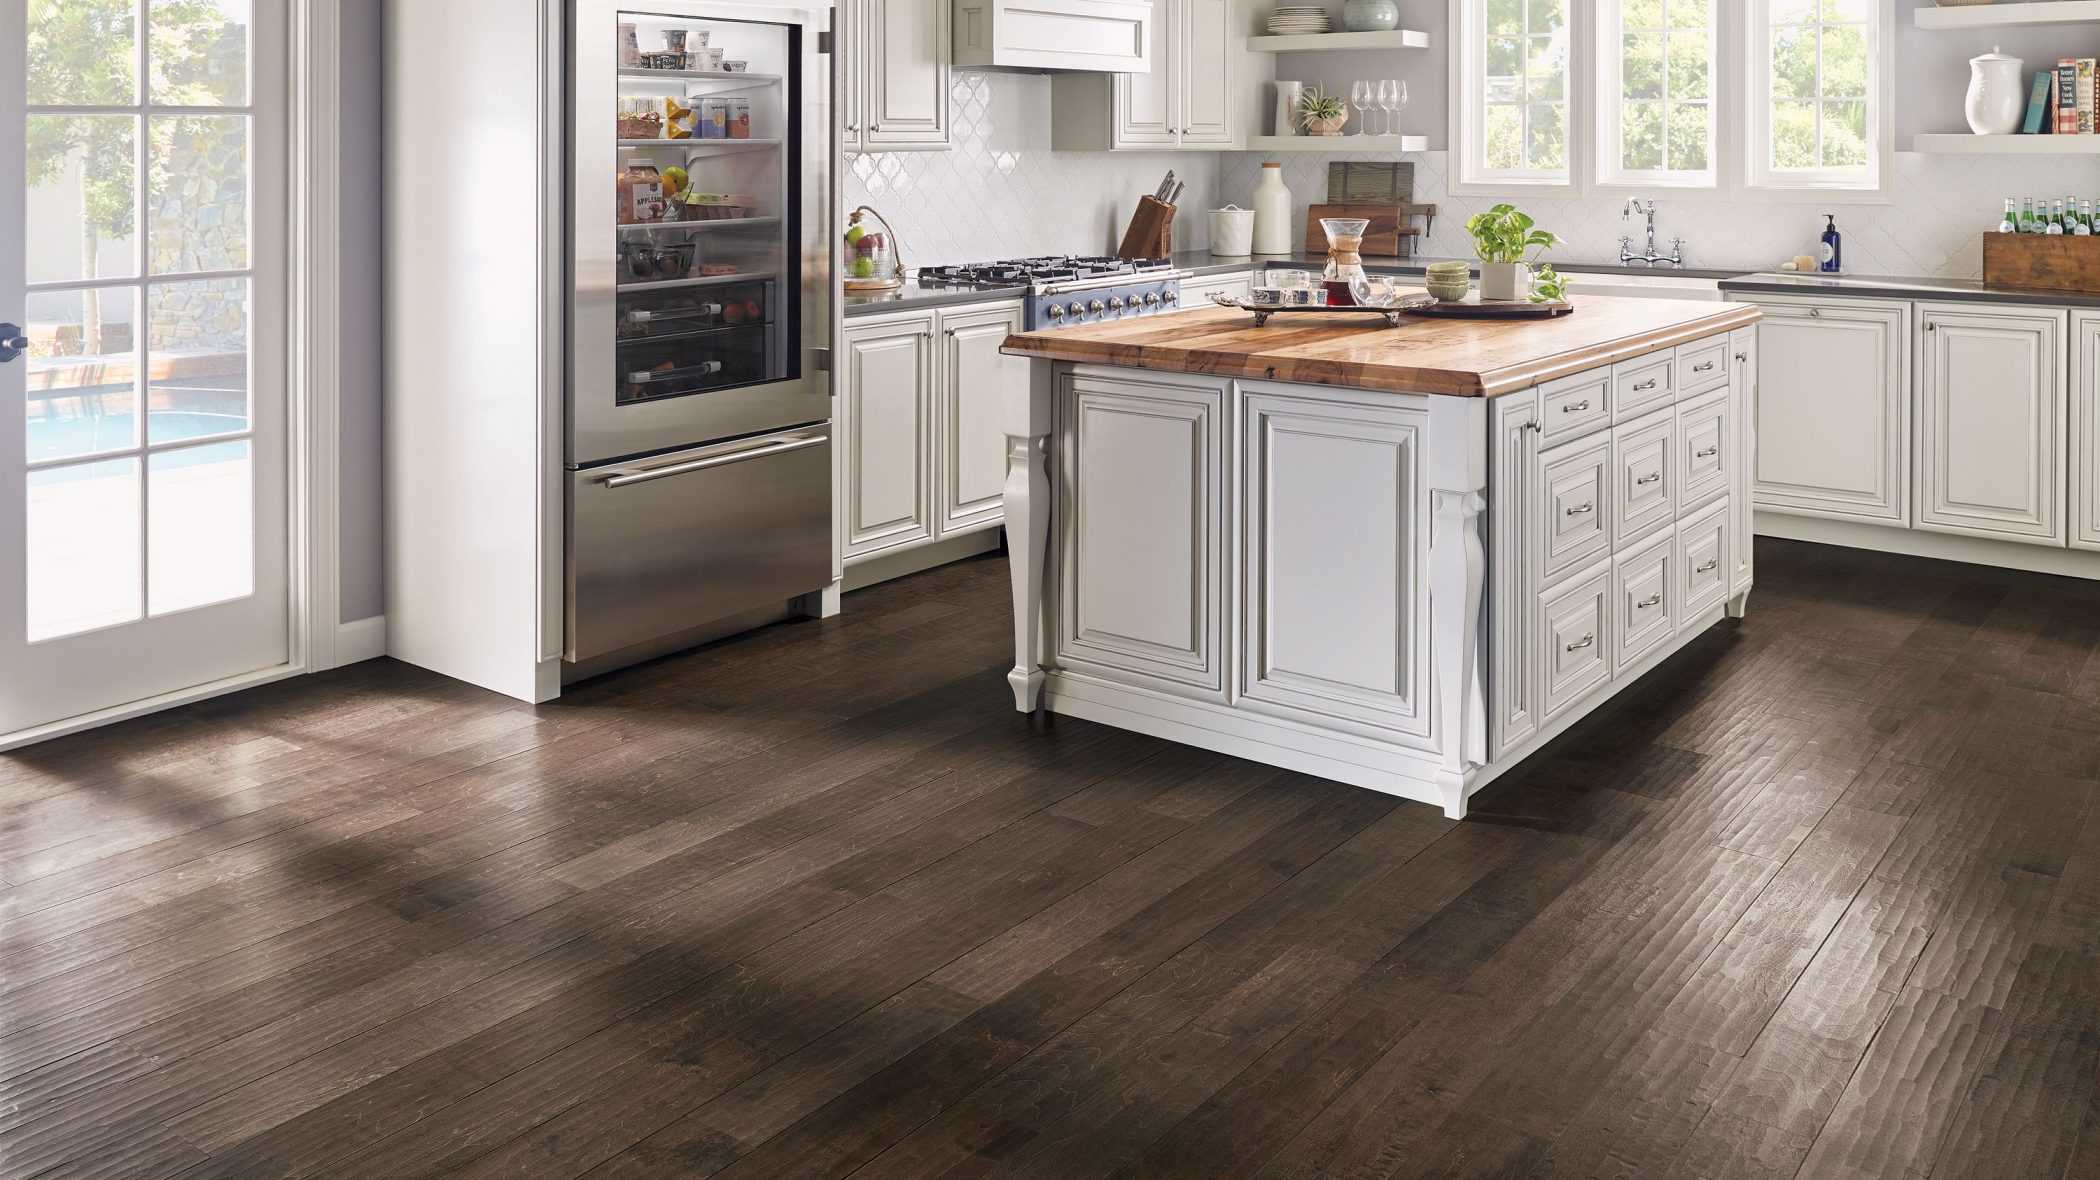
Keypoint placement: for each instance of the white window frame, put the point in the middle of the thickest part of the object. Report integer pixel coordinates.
(1610, 86)
(1468, 44)
(1758, 175)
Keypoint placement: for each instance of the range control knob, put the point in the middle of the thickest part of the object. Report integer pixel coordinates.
(1151, 299)
(1115, 303)
(1096, 307)
(1057, 311)
(1075, 309)
(1171, 298)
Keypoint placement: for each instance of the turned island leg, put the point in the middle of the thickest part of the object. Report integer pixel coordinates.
(1028, 525)
(1457, 577)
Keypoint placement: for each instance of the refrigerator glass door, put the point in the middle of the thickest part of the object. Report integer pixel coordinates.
(700, 238)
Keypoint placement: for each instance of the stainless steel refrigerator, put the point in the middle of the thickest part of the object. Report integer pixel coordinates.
(701, 258)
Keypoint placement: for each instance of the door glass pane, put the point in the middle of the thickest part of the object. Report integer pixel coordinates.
(197, 359)
(199, 52)
(197, 194)
(82, 53)
(200, 544)
(82, 396)
(81, 200)
(83, 551)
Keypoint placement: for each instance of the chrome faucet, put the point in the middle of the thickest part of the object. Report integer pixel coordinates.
(1676, 255)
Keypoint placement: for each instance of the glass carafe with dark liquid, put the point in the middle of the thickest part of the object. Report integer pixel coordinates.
(1344, 276)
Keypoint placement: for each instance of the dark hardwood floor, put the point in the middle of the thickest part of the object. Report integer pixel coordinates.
(1820, 897)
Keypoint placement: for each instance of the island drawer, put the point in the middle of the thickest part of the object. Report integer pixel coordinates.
(1702, 557)
(1574, 406)
(1577, 488)
(1705, 434)
(1640, 385)
(1644, 598)
(1575, 621)
(1643, 463)
(1701, 365)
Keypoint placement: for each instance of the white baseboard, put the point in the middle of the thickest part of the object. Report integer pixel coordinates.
(360, 640)
(2040, 559)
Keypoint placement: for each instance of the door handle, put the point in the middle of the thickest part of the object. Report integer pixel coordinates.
(1703, 367)
(1708, 566)
(1579, 509)
(12, 342)
(1708, 453)
(630, 477)
(1585, 641)
(1645, 386)
(1651, 600)
(1642, 480)
(1575, 407)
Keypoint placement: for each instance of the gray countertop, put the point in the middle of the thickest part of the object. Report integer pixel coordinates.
(1898, 287)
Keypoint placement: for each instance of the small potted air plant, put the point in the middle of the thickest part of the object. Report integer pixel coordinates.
(1321, 113)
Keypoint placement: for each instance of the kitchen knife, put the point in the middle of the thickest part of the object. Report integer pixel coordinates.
(1176, 194)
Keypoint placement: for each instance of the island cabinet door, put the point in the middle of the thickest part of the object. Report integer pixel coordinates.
(1991, 424)
(1516, 509)
(1743, 389)
(1334, 499)
(885, 411)
(1833, 410)
(1141, 510)
(2085, 429)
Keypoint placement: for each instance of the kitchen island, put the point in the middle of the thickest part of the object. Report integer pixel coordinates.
(1401, 558)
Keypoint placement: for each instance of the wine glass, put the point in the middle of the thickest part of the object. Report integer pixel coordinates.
(1392, 98)
(1360, 98)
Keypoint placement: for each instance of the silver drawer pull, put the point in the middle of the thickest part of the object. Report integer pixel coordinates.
(1587, 639)
(628, 478)
(1708, 566)
(1579, 509)
(1707, 367)
(1647, 479)
(1643, 386)
(1706, 453)
(1645, 603)
(1576, 407)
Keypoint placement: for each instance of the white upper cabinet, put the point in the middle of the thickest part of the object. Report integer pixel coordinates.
(1833, 410)
(1196, 96)
(2085, 430)
(1991, 428)
(894, 93)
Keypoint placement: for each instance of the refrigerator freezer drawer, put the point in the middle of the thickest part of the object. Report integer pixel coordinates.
(677, 541)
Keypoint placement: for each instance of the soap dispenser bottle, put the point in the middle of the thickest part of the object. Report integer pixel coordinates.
(1833, 246)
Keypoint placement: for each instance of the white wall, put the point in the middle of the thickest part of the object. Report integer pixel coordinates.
(363, 570)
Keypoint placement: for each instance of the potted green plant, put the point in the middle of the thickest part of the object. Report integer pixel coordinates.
(1504, 238)
(1321, 113)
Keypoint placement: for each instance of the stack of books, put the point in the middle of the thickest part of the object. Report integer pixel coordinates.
(2061, 102)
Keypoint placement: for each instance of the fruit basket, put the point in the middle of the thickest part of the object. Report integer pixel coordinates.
(873, 261)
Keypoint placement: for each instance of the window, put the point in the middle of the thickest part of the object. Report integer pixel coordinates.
(1514, 114)
(1814, 77)
(1656, 90)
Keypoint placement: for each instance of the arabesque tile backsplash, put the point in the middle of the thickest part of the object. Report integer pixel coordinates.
(1002, 192)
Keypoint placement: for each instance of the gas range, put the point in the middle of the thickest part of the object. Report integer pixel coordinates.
(1068, 289)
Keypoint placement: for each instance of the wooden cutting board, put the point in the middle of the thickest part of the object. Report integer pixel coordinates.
(1389, 223)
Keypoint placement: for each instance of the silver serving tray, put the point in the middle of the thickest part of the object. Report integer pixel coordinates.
(1262, 311)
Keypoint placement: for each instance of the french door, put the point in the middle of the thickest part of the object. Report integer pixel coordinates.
(143, 532)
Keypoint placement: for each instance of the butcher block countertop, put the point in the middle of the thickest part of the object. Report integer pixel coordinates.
(1462, 358)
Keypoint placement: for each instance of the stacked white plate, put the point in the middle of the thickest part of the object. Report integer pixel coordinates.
(1293, 19)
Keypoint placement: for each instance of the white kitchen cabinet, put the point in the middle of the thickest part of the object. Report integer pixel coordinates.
(2085, 430)
(1305, 566)
(1516, 509)
(971, 389)
(1196, 292)
(1743, 356)
(1833, 410)
(893, 95)
(1991, 421)
(1141, 475)
(884, 435)
(1198, 96)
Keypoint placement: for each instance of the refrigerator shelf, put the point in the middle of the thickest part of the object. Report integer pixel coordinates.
(698, 146)
(748, 79)
(721, 223)
(695, 281)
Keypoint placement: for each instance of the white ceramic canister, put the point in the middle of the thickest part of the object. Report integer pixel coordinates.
(1995, 93)
(1272, 212)
(1287, 94)
(1232, 231)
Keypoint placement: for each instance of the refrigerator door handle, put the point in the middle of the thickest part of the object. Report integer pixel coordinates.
(628, 477)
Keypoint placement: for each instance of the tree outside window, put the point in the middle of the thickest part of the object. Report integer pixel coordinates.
(1659, 57)
(1820, 71)
(1523, 71)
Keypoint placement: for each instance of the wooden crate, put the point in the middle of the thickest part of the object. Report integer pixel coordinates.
(2042, 263)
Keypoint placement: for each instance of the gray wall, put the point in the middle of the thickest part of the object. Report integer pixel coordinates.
(362, 576)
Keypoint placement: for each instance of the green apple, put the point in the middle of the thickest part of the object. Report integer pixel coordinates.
(854, 233)
(864, 268)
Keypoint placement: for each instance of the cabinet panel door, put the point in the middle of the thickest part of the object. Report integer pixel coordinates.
(1645, 591)
(1703, 559)
(1140, 498)
(2085, 429)
(1991, 422)
(1147, 107)
(885, 419)
(1516, 507)
(1335, 504)
(850, 20)
(1206, 73)
(1575, 622)
(974, 381)
(1575, 486)
(1644, 474)
(1743, 390)
(1706, 449)
(906, 56)
(1833, 410)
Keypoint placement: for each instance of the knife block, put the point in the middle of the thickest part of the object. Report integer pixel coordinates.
(1151, 230)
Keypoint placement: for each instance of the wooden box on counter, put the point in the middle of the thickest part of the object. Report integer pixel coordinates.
(2041, 262)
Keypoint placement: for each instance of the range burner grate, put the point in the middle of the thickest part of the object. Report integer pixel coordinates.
(1049, 268)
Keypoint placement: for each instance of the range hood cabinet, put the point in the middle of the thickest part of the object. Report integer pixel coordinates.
(1106, 36)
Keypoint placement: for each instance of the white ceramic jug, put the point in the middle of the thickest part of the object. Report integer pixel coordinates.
(1996, 95)
(1272, 213)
